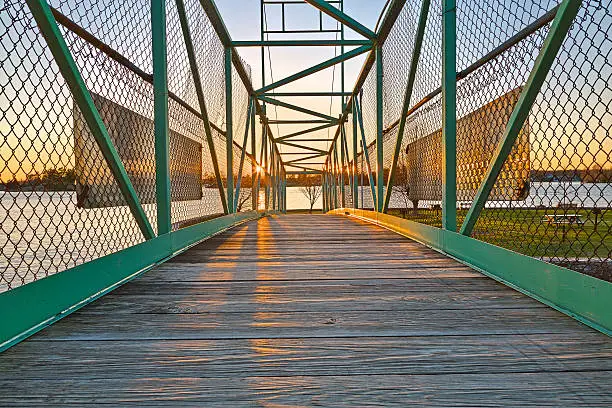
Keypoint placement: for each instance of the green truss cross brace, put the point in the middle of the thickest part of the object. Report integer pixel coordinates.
(312, 156)
(69, 70)
(297, 108)
(343, 18)
(305, 131)
(556, 35)
(312, 149)
(195, 73)
(315, 68)
(414, 62)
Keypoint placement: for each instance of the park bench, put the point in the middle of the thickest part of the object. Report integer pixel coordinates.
(563, 219)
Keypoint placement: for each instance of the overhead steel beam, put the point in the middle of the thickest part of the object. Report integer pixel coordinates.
(277, 94)
(301, 43)
(343, 18)
(296, 108)
(297, 121)
(315, 68)
(313, 156)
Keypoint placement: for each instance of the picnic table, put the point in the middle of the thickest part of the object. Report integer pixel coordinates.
(563, 219)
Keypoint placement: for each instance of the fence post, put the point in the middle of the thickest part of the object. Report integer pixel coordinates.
(356, 185)
(229, 134)
(449, 119)
(380, 171)
(160, 119)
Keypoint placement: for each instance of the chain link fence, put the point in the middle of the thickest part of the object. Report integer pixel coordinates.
(60, 205)
(552, 198)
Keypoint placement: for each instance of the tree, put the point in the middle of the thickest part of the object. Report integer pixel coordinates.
(312, 192)
(401, 183)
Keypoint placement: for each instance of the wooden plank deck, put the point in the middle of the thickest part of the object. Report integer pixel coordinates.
(311, 310)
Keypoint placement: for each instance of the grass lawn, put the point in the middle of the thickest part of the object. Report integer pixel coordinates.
(524, 231)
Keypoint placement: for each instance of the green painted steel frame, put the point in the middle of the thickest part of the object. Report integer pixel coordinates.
(34, 306)
(59, 49)
(365, 153)
(160, 117)
(449, 115)
(583, 297)
(229, 132)
(296, 108)
(556, 35)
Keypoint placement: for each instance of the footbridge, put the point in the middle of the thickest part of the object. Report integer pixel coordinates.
(159, 245)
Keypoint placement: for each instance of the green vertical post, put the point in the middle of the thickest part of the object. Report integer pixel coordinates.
(364, 148)
(323, 191)
(70, 72)
(197, 82)
(449, 118)
(342, 164)
(160, 120)
(229, 134)
(355, 180)
(414, 62)
(380, 173)
(559, 28)
(253, 161)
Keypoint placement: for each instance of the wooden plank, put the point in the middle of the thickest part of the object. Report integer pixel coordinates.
(587, 388)
(304, 310)
(326, 356)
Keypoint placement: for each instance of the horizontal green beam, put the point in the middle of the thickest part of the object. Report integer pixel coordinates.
(277, 94)
(343, 18)
(301, 43)
(583, 297)
(315, 68)
(32, 307)
(296, 108)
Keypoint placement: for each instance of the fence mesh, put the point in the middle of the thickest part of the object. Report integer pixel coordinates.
(553, 195)
(60, 205)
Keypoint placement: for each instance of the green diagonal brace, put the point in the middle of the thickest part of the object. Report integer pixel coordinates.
(296, 108)
(414, 62)
(556, 35)
(69, 70)
(243, 154)
(305, 131)
(343, 18)
(316, 68)
(195, 73)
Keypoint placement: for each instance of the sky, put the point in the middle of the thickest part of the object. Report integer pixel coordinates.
(242, 18)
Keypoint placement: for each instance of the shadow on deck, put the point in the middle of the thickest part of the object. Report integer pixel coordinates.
(303, 310)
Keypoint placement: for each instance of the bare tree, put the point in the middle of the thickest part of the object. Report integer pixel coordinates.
(312, 192)
(401, 183)
(243, 198)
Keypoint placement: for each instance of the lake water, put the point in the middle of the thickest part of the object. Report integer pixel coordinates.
(42, 233)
